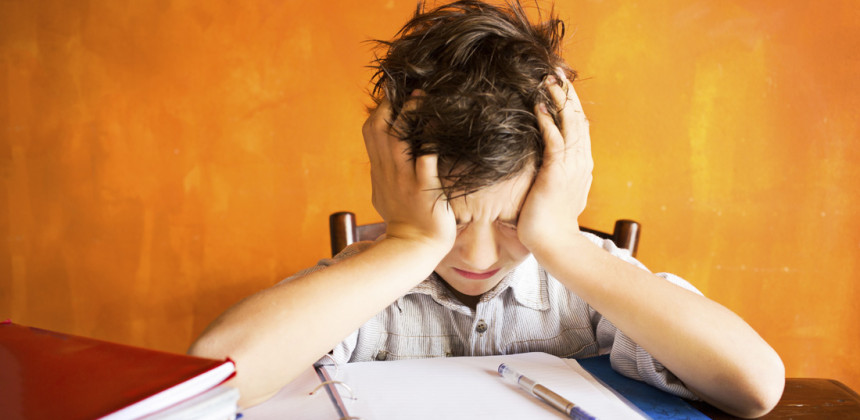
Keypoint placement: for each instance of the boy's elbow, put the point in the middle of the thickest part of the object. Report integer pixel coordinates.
(764, 389)
(210, 347)
(201, 347)
(747, 390)
(770, 388)
(254, 375)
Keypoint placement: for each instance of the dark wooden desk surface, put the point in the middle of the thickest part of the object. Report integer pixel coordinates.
(806, 398)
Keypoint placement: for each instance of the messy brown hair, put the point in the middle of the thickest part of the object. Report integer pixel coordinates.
(481, 68)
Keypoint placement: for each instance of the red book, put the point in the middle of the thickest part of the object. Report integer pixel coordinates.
(49, 375)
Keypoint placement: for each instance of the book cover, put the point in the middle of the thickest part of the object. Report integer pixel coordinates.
(50, 375)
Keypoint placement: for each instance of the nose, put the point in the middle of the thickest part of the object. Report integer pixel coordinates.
(478, 248)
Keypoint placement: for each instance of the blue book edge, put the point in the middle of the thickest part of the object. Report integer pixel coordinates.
(655, 403)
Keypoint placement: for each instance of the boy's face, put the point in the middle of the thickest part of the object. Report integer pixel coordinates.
(487, 247)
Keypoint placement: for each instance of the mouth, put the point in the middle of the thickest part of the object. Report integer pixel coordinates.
(476, 276)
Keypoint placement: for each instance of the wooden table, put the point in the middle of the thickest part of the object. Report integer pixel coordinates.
(805, 398)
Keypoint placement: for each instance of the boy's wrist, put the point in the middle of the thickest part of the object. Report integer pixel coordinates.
(548, 239)
(560, 246)
(433, 240)
(424, 250)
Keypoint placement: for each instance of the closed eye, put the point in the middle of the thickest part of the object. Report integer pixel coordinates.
(501, 223)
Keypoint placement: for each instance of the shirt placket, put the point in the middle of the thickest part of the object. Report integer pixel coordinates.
(482, 338)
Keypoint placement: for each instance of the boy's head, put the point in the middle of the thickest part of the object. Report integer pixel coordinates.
(480, 67)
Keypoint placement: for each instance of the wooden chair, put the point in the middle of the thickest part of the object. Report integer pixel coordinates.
(344, 231)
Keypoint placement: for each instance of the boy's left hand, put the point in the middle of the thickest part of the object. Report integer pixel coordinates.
(558, 195)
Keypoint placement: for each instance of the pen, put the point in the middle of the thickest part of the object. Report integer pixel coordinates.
(542, 392)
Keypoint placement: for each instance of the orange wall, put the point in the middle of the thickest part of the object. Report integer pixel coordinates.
(161, 160)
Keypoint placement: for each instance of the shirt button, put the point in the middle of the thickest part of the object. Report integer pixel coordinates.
(481, 327)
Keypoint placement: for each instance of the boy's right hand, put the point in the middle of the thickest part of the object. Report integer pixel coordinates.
(407, 193)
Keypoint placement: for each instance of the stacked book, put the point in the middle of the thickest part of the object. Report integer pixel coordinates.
(49, 375)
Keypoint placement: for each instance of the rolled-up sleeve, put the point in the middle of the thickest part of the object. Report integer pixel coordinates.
(632, 361)
(627, 357)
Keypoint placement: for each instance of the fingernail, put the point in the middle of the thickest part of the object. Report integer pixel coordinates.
(550, 80)
(542, 108)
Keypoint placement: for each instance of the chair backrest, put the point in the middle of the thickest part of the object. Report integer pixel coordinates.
(344, 231)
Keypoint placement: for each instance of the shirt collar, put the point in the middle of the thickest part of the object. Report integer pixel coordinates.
(528, 283)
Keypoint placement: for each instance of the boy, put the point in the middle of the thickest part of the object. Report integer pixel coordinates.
(480, 165)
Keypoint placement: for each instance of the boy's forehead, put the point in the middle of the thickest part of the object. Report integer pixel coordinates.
(502, 200)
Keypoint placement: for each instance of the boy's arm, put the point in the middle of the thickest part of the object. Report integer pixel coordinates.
(713, 351)
(277, 333)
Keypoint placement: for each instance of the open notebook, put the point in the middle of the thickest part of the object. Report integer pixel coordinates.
(449, 388)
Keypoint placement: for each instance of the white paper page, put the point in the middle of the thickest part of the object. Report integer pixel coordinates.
(471, 388)
(218, 403)
(610, 393)
(295, 402)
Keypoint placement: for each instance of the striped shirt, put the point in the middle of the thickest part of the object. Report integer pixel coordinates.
(528, 311)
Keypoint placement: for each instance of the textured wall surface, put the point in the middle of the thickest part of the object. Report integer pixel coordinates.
(161, 160)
